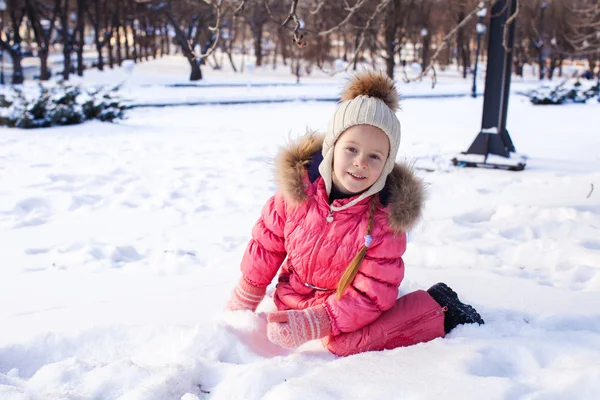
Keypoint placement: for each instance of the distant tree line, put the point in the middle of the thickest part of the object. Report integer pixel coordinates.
(297, 33)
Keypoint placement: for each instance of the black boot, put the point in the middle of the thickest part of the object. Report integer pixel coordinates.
(457, 312)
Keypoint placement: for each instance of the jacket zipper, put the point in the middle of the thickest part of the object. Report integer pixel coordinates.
(414, 321)
(319, 243)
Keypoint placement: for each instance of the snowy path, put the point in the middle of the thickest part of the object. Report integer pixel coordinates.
(120, 245)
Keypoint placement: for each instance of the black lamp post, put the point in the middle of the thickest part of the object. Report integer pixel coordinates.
(480, 27)
(493, 139)
(541, 42)
(424, 33)
(2, 9)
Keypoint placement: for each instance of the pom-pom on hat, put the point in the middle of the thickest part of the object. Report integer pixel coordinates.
(369, 98)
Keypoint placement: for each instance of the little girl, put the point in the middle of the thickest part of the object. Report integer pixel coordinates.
(338, 225)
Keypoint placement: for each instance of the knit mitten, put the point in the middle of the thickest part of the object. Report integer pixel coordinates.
(292, 328)
(457, 312)
(245, 297)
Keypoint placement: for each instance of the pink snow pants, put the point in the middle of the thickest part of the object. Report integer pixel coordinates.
(415, 318)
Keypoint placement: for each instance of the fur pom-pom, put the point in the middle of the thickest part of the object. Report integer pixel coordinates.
(372, 84)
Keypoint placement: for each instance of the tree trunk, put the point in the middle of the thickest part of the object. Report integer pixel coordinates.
(42, 37)
(541, 61)
(126, 34)
(518, 60)
(518, 67)
(592, 59)
(28, 35)
(108, 35)
(243, 49)
(66, 65)
(274, 54)
(144, 41)
(372, 55)
(446, 59)
(16, 56)
(231, 61)
(283, 47)
(196, 72)
(553, 65)
(135, 39)
(295, 64)
(108, 41)
(44, 71)
(117, 25)
(153, 38)
(467, 47)
(167, 39)
(141, 47)
(99, 50)
(460, 42)
(465, 51)
(426, 43)
(80, 33)
(345, 41)
(258, 35)
(162, 41)
(66, 41)
(401, 62)
(560, 65)
(356, 42)
(389, 38)
(17, 77)
(99, 43)
(147, 43)
(416, 56)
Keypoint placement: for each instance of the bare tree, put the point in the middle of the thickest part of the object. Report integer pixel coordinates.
(12, 44)
(463, 36)
(36, 11)
(257, 19)
(96, 19)
(200, 14)
(80, 34)
(69, 35)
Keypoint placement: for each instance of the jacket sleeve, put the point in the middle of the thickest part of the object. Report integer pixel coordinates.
(266, 250)
(374, 289)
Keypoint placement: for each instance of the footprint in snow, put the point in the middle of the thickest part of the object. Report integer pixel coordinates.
(78, 201)
(590, 244)
(509, 362)
(33, 251)
(31, 212)
(475, 217)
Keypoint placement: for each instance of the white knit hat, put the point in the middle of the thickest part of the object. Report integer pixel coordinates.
(370, 98)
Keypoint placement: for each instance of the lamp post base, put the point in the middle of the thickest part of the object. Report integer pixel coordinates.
(515, 162)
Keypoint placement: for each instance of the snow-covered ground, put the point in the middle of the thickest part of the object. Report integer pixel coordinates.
(166, 81)
(120, 245)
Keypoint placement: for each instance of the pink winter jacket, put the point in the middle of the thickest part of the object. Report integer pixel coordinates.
(293, 224)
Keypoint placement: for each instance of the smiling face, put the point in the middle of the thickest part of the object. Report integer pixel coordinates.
(359, 156)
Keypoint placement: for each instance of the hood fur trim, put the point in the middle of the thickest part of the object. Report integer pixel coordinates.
(291, 165)
(405, 191)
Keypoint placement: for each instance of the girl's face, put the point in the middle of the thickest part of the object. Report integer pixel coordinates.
(359, 156)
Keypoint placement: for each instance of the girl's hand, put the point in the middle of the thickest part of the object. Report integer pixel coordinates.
(293, 328)
(245, 297)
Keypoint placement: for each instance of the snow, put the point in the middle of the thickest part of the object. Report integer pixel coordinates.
(121, 243)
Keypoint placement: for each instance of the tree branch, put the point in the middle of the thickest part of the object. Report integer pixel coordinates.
(351, 12)
(509, 21)
(445, 42)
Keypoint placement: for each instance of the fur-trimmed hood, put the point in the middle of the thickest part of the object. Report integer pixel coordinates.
(403, 195)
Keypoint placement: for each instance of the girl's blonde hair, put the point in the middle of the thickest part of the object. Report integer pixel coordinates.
(352, 268)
